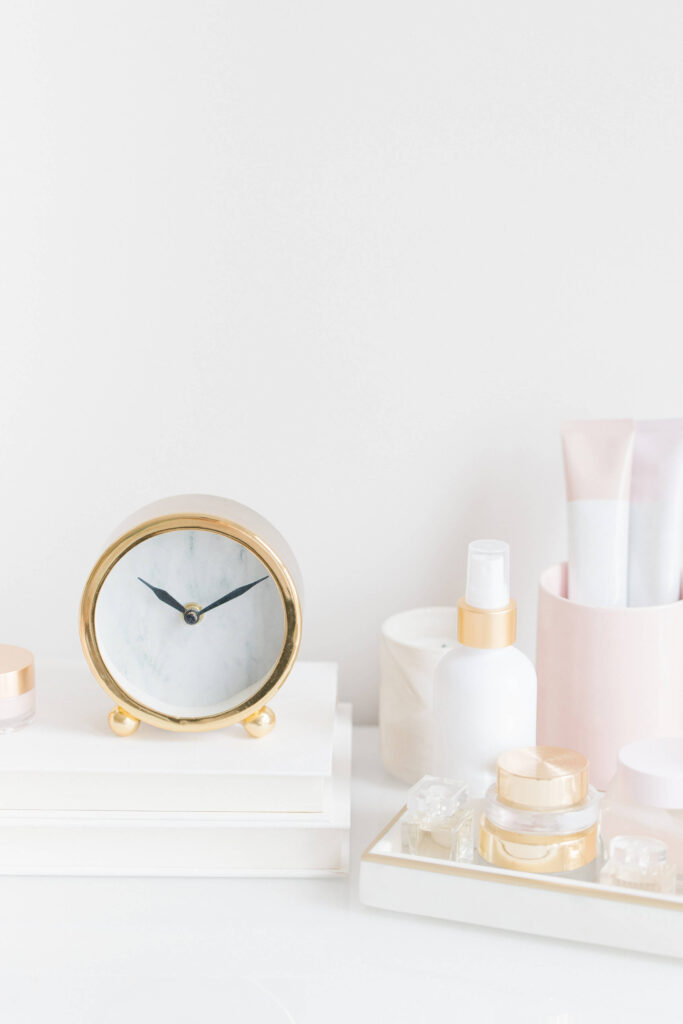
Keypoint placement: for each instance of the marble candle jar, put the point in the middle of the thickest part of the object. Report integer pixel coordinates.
(412, 644)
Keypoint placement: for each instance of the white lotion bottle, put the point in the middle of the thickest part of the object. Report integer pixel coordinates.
(485, 688)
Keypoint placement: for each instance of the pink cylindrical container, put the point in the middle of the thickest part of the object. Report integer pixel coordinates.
(606, 676)
(17, 688)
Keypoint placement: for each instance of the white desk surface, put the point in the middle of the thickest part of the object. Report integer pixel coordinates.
(259, 951)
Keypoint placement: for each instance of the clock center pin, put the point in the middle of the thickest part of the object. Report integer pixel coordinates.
(192, 614)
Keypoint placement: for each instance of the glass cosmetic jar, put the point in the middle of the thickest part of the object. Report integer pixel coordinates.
(645, 797)
(17, 688)
(638, 862)
(439, 821)
(541, 815)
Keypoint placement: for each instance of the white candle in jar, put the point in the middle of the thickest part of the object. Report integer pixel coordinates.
(412, 644)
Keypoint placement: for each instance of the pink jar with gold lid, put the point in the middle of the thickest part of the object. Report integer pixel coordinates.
(17, 687)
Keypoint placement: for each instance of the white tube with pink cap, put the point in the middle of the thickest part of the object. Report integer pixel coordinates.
(654, 571)
(598, 456)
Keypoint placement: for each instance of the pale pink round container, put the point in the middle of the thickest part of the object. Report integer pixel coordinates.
(606, 676)
(17, 688)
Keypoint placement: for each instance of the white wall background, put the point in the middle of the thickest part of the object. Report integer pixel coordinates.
(351, 263)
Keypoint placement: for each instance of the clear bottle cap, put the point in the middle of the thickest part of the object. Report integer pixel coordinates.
(641, 853)
(488, 574)
(639, 862)
(434, 799)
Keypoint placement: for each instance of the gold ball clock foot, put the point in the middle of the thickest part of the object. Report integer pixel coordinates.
(260, 724)
(122, 723)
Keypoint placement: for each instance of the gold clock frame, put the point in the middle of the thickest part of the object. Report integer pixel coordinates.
(255, 716)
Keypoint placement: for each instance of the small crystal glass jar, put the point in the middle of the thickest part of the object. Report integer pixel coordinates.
(645, 797)
(438, 822)
(541, 815)
(17, 688)
(638, 862)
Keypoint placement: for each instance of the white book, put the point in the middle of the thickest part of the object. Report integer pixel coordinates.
(68, 758)
(188, 843)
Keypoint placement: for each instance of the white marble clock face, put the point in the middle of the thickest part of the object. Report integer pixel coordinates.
(185, 668)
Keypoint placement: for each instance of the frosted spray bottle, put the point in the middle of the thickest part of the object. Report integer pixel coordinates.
(485, 688)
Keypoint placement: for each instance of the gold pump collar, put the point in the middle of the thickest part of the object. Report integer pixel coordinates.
(486, 627)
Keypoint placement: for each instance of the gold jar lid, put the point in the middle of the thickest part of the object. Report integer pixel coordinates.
(16, 671)
(542, 778)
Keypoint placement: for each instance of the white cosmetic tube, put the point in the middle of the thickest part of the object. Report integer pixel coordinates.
(598, 455)
(654, 553)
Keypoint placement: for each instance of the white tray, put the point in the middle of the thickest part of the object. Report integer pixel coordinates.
(516, 901)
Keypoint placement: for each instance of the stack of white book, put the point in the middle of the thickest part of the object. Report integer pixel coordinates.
(77, 800)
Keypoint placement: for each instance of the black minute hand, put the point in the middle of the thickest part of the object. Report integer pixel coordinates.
(164, 596)
(233, 593)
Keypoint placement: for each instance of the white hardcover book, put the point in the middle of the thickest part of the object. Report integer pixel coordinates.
(68, 758)
(188, 843)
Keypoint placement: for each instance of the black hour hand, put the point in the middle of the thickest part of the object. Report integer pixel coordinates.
(231, 595)
(164, 596)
